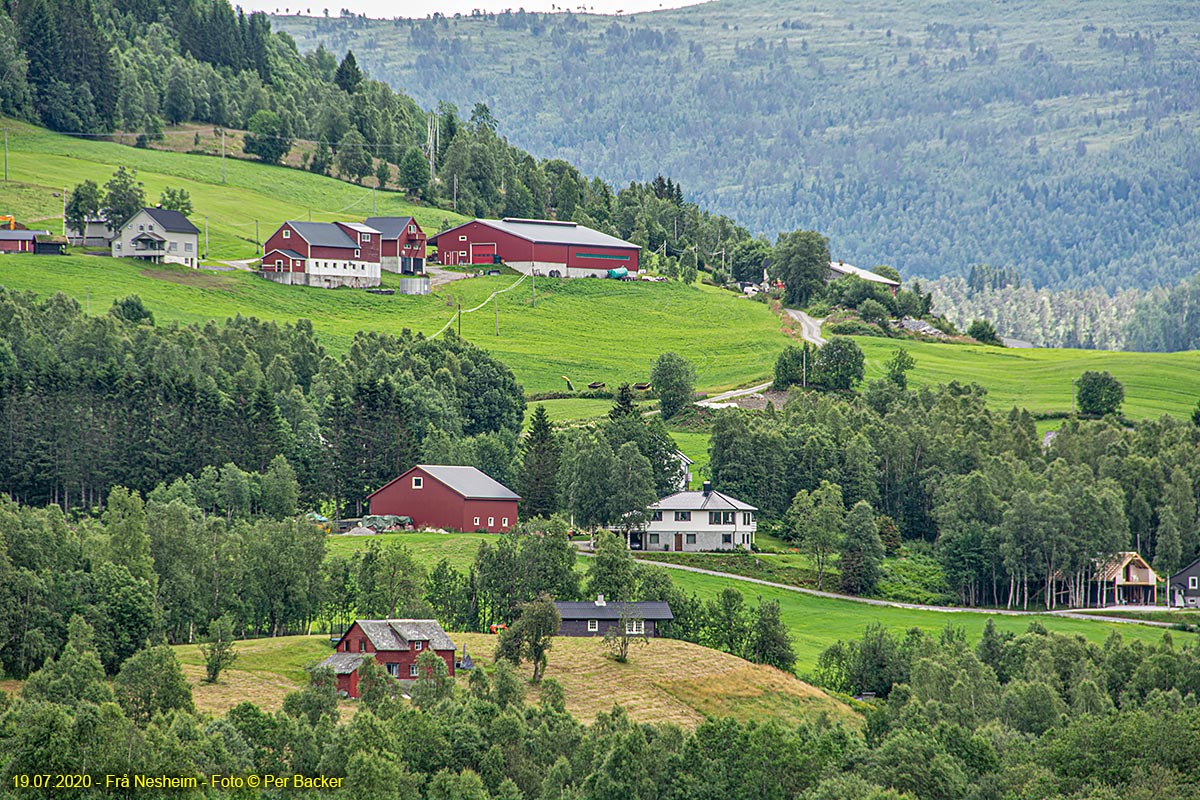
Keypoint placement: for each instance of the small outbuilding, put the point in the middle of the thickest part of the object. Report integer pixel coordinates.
(451, 497)
(1183, 588)
(20, 241)
(1125, 579)
(395, 644)
(597, 617)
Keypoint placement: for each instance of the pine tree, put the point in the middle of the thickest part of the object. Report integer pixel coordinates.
(624, 404)
(861, 552)
(539, 470)
(348, 75)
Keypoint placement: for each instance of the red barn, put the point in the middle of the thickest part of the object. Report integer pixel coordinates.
(454, 498)
(22, 241)
(557, 249)
(327, 254)
(396, 644)
(402, 247)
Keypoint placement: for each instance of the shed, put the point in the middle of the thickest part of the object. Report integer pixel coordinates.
(596, 617)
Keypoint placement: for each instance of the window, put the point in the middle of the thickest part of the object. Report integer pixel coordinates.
(362, 645)
(287, 234)
(173, 246)
(118, 245)
(720, 517)
(141, 227)
(691, 538)
(654, 538)
(593, 626)
(418, 483)
(477, 522)
(462, 253)
(412, 670)
(150, 227)
(187, 247)
(356, 253)
(683, 516)
(504, 522)
(656, 516)
(747, 518)
(491, 521)
(417, 646)
(726, 538)
(412, 228)
(366, 237)
(393, 670)
(635, 627)
(462, 237)
(1193, 582)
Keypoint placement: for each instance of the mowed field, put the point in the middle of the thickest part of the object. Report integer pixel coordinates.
(427, 548)
(588, 330)
(42, 163)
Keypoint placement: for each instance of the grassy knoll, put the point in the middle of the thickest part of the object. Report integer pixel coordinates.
(41, 163)
(1040, 379)
(588, 330)
(265, 672)
(427, 548)
(816, 622)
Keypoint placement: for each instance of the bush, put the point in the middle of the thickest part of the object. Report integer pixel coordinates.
(853, 327)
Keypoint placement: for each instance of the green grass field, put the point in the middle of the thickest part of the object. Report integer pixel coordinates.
(694, 445)
(427, 548)
(816, 622)
(42, 163)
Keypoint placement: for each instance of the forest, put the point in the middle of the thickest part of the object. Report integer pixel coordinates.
(911, 135)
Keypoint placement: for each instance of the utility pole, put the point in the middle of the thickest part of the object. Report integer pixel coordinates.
(6, 155)
(205, 238)
(458, 315)
(533, 277)
(65, 213)
(256, 243)
(496, 303)
(456, 193)
(222, 155)
(373, 201)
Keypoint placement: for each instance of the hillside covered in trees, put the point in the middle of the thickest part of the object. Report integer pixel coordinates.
(1049, 138)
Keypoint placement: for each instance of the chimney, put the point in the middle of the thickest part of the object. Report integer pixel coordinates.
(707, 488)
(600, 600)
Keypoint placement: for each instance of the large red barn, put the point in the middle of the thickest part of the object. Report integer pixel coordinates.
(558, 249)
(396, 644)
(454, 498)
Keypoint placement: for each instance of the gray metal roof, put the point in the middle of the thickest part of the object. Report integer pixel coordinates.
(649, 609)
(389, 227)
(471, 483)
(865, 274)
(345, 663)
(699, 501)
(288, 253)
(322, 234)
(545, 231)
(358, 226)
(20, 236)
(171, 221)
(395, 634)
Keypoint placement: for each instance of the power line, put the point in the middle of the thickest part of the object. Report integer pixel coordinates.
(492, 297)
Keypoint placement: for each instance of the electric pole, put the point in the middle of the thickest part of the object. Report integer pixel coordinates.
(458, 316)
(205, 238)
(533, 277)
(496, 303)
(222, 155)
(256, 243)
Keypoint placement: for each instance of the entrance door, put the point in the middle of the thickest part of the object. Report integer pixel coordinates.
(678, 542)
(483, 252)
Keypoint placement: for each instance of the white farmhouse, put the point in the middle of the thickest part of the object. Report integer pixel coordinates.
(694, 521)
(160, 236)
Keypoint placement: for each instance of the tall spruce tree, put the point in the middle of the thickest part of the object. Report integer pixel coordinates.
(538, 483)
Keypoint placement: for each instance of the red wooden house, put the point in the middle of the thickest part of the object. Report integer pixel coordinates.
(557, 249)
(402, 247)
(327, 254)
(454, 498)
(395, 644)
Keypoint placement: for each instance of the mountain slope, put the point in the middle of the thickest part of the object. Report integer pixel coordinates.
(1052, 137)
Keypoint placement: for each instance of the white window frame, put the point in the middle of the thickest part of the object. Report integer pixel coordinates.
(656, 516)
(683, 516)
(462, 237)
(366, 237)
(593, 626)
(417, 646)
(477, 522)
(635, 627)
(491, 522)
(287, 234)
(393, 670)
(356, 253)
(462, 253)
(1193, 582)
(418, 482)
(504, 522)
(412, 670)
(747, 518)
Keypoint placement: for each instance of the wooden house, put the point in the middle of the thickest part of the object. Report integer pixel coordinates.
(1183, 588)
(450, 497)
(596, 617)
(395, 644)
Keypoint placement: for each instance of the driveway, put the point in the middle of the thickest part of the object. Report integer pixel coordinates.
(722, 400)
(441, 277)
(810, 328)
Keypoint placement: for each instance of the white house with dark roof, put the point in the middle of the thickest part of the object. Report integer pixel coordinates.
(160, 236)
(697, 521)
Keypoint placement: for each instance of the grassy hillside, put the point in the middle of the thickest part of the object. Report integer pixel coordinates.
(666, 681)
(1051, 136)
(428, 548)
(588, 330)
(42, 163)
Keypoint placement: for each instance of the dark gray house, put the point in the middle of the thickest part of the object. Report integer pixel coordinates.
(1183, 588)
(595, 617)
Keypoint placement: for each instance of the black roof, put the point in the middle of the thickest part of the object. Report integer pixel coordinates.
(649, 609)
(171, 221)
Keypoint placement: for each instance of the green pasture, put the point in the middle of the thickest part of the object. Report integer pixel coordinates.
(588, 330)
(817, 622)
(42, 164)
(694, 445)
(427, 548)
(1040, 379)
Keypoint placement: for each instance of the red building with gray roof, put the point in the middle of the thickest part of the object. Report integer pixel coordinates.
(453, 498)
(547, 247)
(326, 254)
(402, 244)
(395, 644)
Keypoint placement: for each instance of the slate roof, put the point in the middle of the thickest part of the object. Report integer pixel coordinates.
(466, 481)
(395, 634)
(288, 253)
(865, 274)
(345, 663)
(699, 501)
(650, 609)
(544, 231)
(171, 221)
(389, 227)
(322, 234)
